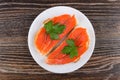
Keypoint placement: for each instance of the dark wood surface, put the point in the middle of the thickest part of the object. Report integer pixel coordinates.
(16, 62)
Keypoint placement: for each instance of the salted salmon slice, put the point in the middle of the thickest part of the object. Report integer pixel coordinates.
(66, 59)
(61, 19)
(79, 35)
(73, 35)
(42, 40)
(39, 38)
(70, 24)
(80, 40)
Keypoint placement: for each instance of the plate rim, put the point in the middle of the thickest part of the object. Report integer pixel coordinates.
(62, 7)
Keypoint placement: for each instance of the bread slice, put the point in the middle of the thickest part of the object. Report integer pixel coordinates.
(80, 37)
(44, 43)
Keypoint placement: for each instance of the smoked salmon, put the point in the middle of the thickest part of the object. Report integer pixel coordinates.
(80, 37)
(76, 43)
(44, 43)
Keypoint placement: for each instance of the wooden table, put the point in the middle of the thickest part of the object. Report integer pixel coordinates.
(16, 62)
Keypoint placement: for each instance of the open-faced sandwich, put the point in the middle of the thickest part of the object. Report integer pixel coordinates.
(61, 41)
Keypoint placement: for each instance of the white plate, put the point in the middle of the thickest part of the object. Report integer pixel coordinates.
(37, 24)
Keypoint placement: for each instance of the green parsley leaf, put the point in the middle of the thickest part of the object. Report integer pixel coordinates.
(67, 49)
(48, 26)
(73, 53)
(61, 29)
(71, 49)
(58, 28)
(54, 29)
(54, 36)
(70, 42)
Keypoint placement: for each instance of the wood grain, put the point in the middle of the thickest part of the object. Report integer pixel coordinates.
(16, 62)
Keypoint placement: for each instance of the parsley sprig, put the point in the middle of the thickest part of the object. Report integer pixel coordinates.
(71, 49)
(54, 29)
